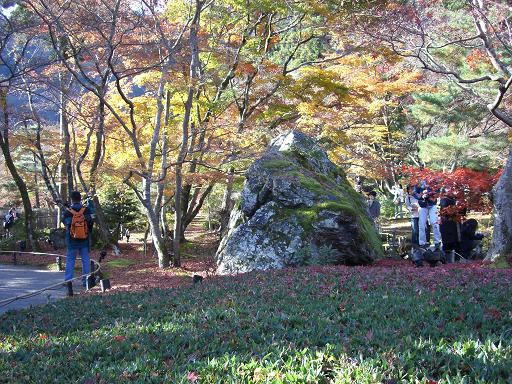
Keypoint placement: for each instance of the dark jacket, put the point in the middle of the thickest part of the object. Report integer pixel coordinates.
(8, 220)
(374, 209)
(469, 237)
(449, 228)
(424, 202)
(67, 217)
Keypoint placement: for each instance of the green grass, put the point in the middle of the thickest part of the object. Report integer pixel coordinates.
(120, 263)
(305, 325)
(501, 262)
(17, 234)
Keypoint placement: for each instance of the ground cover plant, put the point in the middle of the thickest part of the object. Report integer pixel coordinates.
(318, 324)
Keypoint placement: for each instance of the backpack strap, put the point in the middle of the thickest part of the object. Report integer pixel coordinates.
(73, 212)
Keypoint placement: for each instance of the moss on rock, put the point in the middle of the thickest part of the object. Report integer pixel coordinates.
(298, 199)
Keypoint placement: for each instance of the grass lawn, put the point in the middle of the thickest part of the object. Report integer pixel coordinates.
(316, 325)
(120, 263)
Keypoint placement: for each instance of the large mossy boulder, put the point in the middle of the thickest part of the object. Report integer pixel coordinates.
(297, 208)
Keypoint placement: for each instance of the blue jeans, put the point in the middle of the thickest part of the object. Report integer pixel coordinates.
(415, 225)
(430, 214)
(70, 262)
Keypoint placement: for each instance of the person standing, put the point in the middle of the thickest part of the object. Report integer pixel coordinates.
(398, 199)
(427, 200)
(9, 221)
(411, 203)
(373, 207)
(449, 226)
(359, 184)
(78, 221)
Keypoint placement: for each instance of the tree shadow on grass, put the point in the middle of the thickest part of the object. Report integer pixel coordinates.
(339, 325)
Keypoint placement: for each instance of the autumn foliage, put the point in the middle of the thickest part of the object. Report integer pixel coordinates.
(471, 189)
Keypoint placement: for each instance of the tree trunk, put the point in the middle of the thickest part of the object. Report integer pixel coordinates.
(208, 214)
(20, 184)
(195, 207)
(36, 183)
(178, 214)
(22, 189)
(50, 182)
(501, 244)
(45, 170)
(62, 174)
(61, 191)
(194, 73)
(163, 221)
(227, 203)
(193, 203)
(187, 188)
(66, 139)
(102, 226)
(103, 229)
(158, 239)
(185, 202)
(160, 204)
(146, 234)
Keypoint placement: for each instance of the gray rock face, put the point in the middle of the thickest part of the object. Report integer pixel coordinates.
(297, 208)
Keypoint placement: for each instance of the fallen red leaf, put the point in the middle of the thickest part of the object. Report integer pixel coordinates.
(494, 313)
(192, 377)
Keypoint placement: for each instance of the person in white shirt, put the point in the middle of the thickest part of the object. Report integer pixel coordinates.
(411, 203)
(398, 199)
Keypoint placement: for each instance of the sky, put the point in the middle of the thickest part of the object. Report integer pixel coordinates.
(7, 8)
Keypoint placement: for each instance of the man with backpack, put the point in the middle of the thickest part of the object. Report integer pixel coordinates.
(78, 221)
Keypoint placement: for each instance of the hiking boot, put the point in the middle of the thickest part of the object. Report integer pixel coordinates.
(425, 246)
(418, 263)
(437, 246)
(69, 286)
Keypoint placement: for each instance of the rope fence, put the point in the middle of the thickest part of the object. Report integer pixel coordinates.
(96, 272)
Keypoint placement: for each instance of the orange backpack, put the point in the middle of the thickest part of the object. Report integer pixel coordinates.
(78, 229)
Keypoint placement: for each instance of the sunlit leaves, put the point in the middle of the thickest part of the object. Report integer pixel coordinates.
(355, 103)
